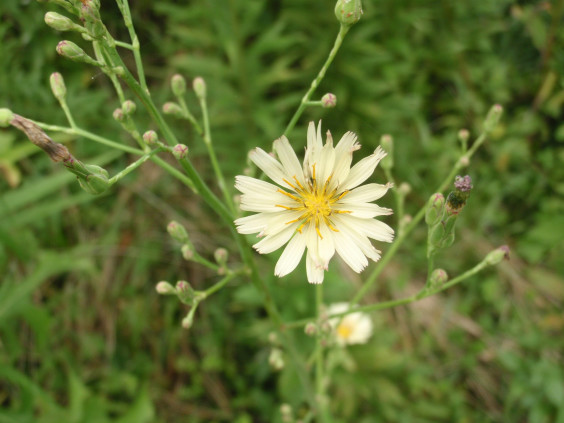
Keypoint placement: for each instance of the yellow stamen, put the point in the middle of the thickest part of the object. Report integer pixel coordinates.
(344, 331)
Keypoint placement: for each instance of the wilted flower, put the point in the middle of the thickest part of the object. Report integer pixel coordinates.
(354, 328)
(319, 205)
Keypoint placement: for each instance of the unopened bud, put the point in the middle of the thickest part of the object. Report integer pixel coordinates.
(493, 117)
(94, 184)
(6, 116)
(496, 256)
(329, 100)
(273, 338)
(404, 188)
(58, 86)
(435, 209)
(180, 151)
(286, 413)
(221, 255)
(464, 161)
(178, 85)
(151, 138)
(165, 288)
(185, 292)
(199, 86)
(463, 135)
(275, 359)
(187, 252)
(348, 12)
(118, 115)
(438, 278)
(61, 23)
(188, 321)
(177, 231)
(387, 143)
(73, 52)
(310, 329)
(173, 109)
(128, 107)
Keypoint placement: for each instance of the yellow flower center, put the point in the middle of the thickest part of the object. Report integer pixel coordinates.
(344, 331)
(314, 201)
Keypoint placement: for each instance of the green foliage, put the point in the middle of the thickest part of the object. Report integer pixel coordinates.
(84, 338)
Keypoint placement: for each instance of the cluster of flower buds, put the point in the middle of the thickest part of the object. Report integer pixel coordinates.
(441, 215)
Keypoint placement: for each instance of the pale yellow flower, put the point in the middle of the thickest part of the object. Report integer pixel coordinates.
(319, 206)
(354, 328)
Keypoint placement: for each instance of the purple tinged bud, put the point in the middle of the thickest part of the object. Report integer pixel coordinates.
(496, 256)
(180, 151)
(118, 115)
(310, 329)
(188, 321)
(150, 137)
(463, 183)
(6, 116)
(73, 52)
(165, 288)
(221, 255)
(128, 107)
(199, 86)
(178, 85)
(177, 231)
(329, 100)
(348, 12)
(58, 86)
(187, 252)
(438, 278)
(463, 135)
(185, 292)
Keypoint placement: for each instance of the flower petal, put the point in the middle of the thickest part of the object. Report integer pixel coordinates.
(289, 159)
(291, 256)
(273, 242)
(314, 272)
(363, 210)
(372, 228)
(361, 171)
(365, 193)
(268, 164)
(350, 252)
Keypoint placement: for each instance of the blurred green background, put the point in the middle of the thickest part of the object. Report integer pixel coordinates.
(85, 338)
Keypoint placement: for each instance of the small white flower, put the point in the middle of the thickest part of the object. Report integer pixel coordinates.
(319, 206)
(354, 328)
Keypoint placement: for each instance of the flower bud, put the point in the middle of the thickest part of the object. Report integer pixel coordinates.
(286, 413)
(6, 117)
(188, 321)
(58, 86)
(173, 109)
(94, 184)
(177, 231)
(404, 188)
(185, 292)
(73, 52)
(151, 138)
(387, 143)
(187, 252)
(221, 255)
(180, 151)
(463, 136)
(275, 359)
(199, 86)
(329, 100)
(310, 329)
(273, 338)
(496, 256)
(435, 209)
(178, 85)
(493, 117)
(438, 278)
(348, 12)
(118, 115)
(165, 288)
(61, 23)
(128, 107)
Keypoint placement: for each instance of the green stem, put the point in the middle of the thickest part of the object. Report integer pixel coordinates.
(133, 166)
(123, 45)
(213, 157)
(319, 370)
(190, 116)
(175, 172)
(216, 287)
(315, 83)
(135, 47)
(68, 114)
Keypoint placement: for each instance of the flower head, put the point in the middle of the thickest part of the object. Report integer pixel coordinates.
(319, 206)
(354, 328)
